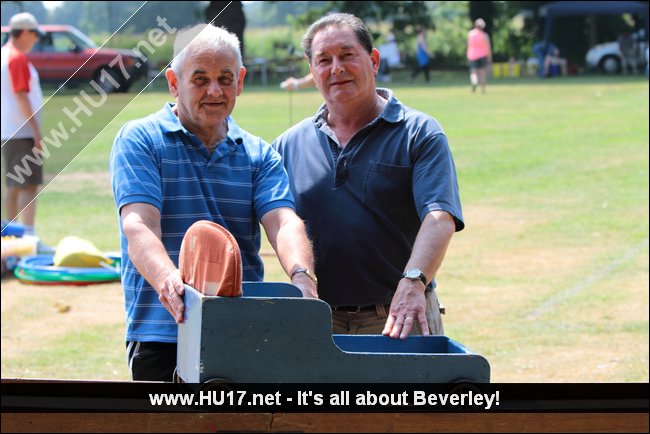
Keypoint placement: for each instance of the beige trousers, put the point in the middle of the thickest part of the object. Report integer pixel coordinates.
(373, 322)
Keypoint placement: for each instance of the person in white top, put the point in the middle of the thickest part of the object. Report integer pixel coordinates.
(390, 58)
(21, 131)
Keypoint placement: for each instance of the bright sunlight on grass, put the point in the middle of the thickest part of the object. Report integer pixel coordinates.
(549, 280)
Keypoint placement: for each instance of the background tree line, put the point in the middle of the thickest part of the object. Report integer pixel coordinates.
(514, 26)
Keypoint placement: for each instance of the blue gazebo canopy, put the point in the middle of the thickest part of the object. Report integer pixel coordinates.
(572, 8)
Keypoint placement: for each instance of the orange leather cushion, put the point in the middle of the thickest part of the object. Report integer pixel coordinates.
(210, 260)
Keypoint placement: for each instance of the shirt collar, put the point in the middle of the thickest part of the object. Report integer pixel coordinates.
(169, 122)
(393, 111)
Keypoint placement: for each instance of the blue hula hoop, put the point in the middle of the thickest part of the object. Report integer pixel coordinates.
(40, 269)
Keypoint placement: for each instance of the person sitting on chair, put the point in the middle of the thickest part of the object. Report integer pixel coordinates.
(554, 65)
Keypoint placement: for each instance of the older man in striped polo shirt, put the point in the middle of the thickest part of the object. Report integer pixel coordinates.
(189, 162)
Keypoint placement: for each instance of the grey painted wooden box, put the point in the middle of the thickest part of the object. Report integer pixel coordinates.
(272, 335)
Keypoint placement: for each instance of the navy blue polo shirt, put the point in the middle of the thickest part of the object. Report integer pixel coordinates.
(363, 205)
(157, 161)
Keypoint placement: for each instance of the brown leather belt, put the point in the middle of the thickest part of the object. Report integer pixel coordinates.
(357, 309)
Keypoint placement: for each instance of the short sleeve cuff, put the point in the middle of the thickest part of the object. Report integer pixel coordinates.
(275, 204)
(436, 206)
(140, 198)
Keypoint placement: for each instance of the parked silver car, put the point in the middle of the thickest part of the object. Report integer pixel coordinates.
(609, 57)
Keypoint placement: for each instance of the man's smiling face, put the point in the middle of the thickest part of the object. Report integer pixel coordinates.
(207, 88)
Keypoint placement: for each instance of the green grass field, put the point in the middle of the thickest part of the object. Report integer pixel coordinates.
(549, 280)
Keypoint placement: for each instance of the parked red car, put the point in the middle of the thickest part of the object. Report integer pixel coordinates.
(66, 53)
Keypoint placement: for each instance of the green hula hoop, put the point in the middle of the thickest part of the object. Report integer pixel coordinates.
(39, 269)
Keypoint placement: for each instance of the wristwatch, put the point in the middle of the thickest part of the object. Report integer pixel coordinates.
(307, 272)
(415, 274)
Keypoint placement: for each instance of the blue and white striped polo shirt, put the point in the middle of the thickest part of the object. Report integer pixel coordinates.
(155, 160)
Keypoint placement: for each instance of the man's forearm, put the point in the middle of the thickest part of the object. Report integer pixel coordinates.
(150, 257)
(293, 247)
(295, 253)
(141, 225)
(286, 233)
(146, 249)
(431, 243)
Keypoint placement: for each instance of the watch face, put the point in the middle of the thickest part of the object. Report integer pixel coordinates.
(413, 273)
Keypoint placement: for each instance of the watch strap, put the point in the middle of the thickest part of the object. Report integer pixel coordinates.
(307, 272)
(421, 276)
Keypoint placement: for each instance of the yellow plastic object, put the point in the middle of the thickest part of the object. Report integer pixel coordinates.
(77, 252)
(19, 246)
(497, 70)
(515, 70)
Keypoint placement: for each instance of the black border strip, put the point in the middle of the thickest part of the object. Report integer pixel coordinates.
(60, 396)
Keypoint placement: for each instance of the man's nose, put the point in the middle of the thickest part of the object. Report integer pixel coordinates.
(214, 88)
(337, 66)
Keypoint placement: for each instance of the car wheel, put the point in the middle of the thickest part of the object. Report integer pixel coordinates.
(124, 87)
(610, 65)
(108, 80)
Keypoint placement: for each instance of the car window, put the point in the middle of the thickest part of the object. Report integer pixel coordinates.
(82, 41)
(62, 43)
(55, 42)
(43, 44)
(59, 42)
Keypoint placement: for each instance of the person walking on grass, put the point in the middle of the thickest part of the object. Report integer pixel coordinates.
(422, 55)
(479, 54)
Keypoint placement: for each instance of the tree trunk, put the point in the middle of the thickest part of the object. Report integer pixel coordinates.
(231, 18)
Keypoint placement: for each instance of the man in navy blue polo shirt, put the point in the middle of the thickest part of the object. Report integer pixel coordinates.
(376, 184)
(189, 162)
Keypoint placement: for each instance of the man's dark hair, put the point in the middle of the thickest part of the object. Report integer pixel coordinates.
(15, 33)
(338, 20)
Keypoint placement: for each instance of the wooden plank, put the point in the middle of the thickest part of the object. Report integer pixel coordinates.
(136, 422)
(325, 422)
(462, 422)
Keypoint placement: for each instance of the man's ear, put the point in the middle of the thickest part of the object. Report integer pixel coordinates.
(313, 76)
(374, 56)
(240, 83)
(172, 82)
